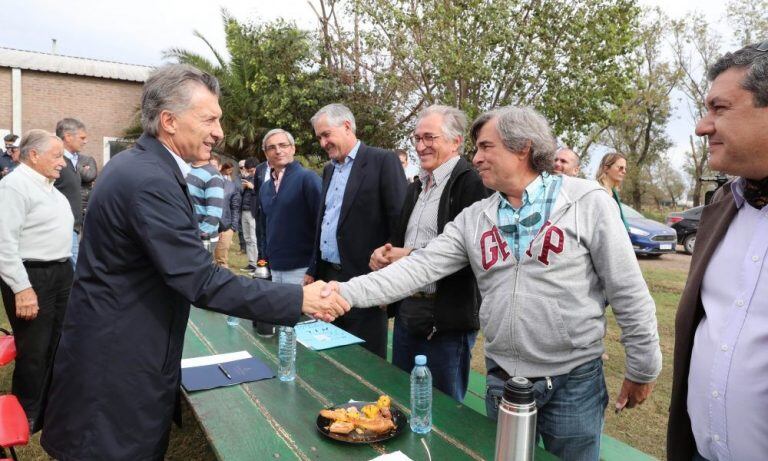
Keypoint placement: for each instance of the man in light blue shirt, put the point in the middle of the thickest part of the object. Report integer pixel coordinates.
(329, 248)
(363, 192)
(719, 400)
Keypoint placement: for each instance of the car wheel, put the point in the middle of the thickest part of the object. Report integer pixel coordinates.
(688, 243)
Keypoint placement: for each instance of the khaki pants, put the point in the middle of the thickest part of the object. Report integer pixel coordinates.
(221, 253)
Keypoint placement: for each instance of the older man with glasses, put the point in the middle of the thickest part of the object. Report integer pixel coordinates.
(290, 203)
(440, 320)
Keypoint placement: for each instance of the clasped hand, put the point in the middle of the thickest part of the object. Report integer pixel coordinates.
(385, 255)
(321, 305)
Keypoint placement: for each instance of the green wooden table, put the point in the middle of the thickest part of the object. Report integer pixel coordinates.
(274, 420)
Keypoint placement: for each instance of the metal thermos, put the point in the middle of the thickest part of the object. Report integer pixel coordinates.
(516, 427)
(262, 272)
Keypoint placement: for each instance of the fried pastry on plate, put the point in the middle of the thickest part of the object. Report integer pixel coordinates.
(342, 427)
(377, 425)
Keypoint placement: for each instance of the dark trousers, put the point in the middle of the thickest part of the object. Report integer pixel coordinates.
(36, 339)
(448, 354)
(368, 324)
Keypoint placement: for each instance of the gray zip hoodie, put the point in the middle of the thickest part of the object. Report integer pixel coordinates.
(545, 314)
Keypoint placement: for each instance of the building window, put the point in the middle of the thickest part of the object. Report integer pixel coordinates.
(113, 146)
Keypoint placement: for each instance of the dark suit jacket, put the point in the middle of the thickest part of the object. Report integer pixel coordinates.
(715, 219)
(116, 374)
(68, 184)
(369, 210)
(87, 176)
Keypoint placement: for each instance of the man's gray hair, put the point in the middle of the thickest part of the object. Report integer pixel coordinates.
(517, 126)
(37, 140)
(170, 88)
(337, 114)
(756, 64)
(273, 132)
(68, 125)
(454, 121)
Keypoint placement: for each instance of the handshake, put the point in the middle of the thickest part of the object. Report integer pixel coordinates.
(323, 301)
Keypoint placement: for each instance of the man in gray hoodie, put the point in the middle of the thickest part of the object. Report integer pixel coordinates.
(547, 252)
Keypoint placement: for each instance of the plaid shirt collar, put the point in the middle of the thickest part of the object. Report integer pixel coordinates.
(520, 226)
(532, 192)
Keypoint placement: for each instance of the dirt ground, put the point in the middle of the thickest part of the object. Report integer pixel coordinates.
(677, 261)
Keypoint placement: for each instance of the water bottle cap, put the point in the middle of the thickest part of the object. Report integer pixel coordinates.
(421, 360)
(518, 390)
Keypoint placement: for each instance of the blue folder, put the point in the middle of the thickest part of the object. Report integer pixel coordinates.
(224, 374)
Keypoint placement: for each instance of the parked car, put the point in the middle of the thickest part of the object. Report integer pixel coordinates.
(649, 238)
(686, 223)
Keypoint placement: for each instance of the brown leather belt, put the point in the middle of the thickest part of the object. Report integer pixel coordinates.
(422, 295)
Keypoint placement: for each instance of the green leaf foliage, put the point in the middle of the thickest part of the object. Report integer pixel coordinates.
(271, 79)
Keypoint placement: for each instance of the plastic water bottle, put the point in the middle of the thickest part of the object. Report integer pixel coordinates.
(233, 321)
(286, 354)
(421, 397)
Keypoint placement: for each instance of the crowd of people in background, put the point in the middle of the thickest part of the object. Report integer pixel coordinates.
(103, 265)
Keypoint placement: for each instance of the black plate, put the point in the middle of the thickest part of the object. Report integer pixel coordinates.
(398, 417)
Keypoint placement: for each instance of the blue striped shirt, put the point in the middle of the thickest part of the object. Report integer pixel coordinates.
(329, 247)
(520, 226)
(206, 187)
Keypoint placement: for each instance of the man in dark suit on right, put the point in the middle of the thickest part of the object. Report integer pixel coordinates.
(363, 192)
(719, 388)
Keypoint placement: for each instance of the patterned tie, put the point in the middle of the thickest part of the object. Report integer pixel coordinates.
(756, 192)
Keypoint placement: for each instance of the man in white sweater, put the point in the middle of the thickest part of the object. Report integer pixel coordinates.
(35, 273)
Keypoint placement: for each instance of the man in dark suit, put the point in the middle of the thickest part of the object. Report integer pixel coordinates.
(73, 135)
(116, 373)
(719, 392)
(86, 166)
(363, 192)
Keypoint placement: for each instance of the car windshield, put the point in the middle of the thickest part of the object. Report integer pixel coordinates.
(693, 213)
(630, 212)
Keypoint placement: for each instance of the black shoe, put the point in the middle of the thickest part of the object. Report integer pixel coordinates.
(248, 268)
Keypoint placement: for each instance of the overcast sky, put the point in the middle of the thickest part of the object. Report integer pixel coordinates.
(140, 30)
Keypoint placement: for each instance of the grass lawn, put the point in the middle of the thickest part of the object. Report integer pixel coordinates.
(643, 428)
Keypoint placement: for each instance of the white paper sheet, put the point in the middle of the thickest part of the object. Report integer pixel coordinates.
(396, 456)
(214, 359)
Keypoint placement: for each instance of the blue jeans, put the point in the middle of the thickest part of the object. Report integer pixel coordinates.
(75, 248)
(293, 276)
(570, 409)
(448, 357)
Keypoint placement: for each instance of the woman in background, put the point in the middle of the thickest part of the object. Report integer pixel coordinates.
(610, 175)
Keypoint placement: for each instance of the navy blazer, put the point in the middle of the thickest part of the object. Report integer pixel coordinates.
(116, 373)
(370, 209)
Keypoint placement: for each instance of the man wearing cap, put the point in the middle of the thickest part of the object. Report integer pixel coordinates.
(9, 159)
